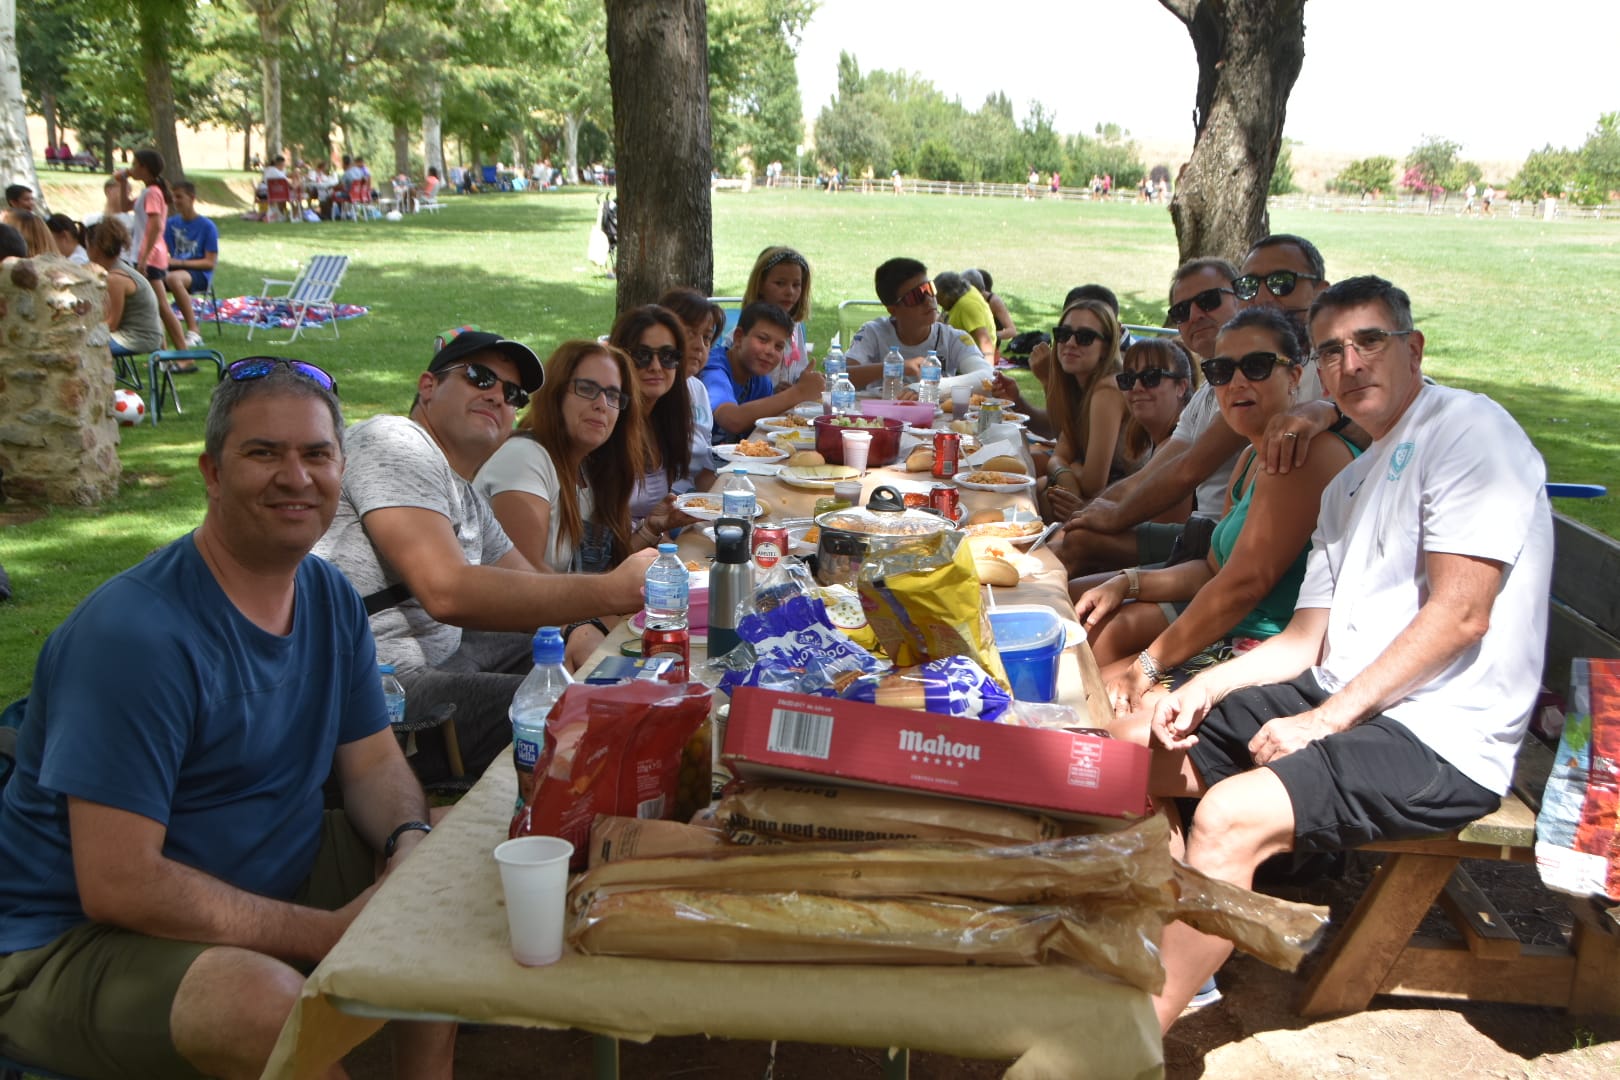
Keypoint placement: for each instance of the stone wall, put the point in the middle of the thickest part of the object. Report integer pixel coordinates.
(58, 438)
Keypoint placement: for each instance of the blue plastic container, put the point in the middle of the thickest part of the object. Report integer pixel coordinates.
(1030, 639)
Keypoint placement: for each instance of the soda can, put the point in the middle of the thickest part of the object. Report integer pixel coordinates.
(669, 641)
(947, 454)
(770, 544)
(946, 499)
(989, 416)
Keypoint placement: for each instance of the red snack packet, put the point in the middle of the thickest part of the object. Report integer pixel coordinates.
(610, 750)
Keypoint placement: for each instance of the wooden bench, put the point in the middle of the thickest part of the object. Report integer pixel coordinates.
(1377, 951)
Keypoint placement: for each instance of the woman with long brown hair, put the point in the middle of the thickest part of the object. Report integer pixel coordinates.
(1086, 408)
(655, 341)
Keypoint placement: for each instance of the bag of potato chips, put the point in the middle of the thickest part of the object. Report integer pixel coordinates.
(922, 599)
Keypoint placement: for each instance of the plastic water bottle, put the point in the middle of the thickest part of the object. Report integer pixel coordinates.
(843, 396)
(894, 375)
(667, 586)
(738, 499)
(532, 703)
(835, 364)
(393, 694)
(928, 389)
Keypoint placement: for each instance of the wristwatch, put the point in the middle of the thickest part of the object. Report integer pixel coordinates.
(1341, 423)
(1133, 582)
(393, 837)
(1150, 667)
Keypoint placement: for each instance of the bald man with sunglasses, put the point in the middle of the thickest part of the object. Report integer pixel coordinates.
(453, 604)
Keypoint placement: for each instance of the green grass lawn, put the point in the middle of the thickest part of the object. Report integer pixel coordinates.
(1519, 310)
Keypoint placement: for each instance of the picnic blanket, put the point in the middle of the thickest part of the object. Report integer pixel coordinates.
(267, 314)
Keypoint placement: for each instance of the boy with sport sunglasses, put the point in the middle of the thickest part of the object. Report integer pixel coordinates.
(913, 326)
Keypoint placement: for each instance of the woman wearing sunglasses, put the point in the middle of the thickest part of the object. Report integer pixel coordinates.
(654, 340)
(1245, 589)
(561, 485)
(702, 321)
(1157, 384)
(1086, 408)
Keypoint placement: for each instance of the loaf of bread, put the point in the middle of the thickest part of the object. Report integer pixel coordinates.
(807, 457)
(998, 572)
(1006, 463)
(920, 460)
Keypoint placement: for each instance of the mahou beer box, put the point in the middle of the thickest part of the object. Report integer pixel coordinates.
(771, 734)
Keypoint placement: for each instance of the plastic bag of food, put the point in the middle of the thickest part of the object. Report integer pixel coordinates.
(1276, 932)
(843, 814)
(921, 595)
(797, 649)
(610, 750)
(952, 685)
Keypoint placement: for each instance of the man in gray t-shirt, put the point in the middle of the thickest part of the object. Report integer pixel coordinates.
(912, 326)
(453, 605)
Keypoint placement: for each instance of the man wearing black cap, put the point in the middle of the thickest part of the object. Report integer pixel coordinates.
(452, 603)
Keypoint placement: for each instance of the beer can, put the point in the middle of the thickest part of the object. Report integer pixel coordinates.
(770, 544)
(989, 416)
(947, 454)
(946, 499)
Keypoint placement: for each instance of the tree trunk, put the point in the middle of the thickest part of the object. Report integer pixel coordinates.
(402, 149)
(16, 156)
(432, 131)
(47, 103)
(158, 77)
(247, 143)
(658, 60)
(269, 16)
(1249, 54)
(571, 148)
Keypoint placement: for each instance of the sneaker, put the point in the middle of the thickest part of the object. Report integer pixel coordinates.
(1208, 994)
(194, 340)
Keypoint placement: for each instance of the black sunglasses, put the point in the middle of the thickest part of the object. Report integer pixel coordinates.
(1256, 367)
(1280, 282)
(643, 356)
(258, 367)
(1150, 378)
(1084, 336)
(1207, 301)
(483, 378)
(590, 390)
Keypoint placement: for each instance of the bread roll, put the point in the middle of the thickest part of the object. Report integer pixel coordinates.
(998, 572)
(807, 457)
(1006, 463)
(920, 460)
(985, 517)
(964, 427)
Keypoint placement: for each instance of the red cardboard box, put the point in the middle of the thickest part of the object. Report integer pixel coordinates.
(773, 734)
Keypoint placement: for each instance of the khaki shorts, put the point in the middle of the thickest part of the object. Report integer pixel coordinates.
(95, 1002)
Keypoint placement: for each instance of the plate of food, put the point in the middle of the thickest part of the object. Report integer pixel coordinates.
(755, 450)
(705, 505)
(803, 538)
(790, 422)
(794, 439)
(816, 477)
(1017, 533)
(989, 480)
(984, 547)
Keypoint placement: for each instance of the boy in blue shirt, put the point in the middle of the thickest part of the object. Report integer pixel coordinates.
(739, 378)
(193, 242)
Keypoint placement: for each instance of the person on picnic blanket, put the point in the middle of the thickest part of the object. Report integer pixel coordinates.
(167, 873)
(1393, 704)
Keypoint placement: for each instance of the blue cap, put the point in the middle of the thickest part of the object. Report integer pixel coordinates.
(385, 669)
(548, 645)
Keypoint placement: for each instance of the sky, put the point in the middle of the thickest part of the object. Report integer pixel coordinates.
(1379, 75)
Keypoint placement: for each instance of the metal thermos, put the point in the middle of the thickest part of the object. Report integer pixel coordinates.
(731, 584)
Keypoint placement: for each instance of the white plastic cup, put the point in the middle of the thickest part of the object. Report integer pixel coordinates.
(857, 445)
(534, 878)
(848, 491)
(961, 400)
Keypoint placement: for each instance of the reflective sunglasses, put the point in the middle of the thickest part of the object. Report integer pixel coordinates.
(1084, 336)
(590, 390)
(643, 356)
(917, 296)
(1280, 282)
(483, 378)
(1256, 367)
(258, 367)
(1150, 378)
(1207, 301)
(1370, 343)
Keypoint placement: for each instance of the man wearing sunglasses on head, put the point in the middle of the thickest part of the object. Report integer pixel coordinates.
(167, 874)
(453, 604)
(738, 379)
(913, 327)
(1393, 703)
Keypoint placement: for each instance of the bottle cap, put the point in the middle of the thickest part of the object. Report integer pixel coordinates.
(739, 471)
(385, 669)
(666, 549)
(548, 645)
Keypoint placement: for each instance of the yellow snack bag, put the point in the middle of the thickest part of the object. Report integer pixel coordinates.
(922, 599)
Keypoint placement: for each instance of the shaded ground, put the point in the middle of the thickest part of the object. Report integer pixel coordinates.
(1253, 1033)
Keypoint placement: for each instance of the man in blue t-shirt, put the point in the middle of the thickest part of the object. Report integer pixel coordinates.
(738, 379)
(165, 864)
(193, 242)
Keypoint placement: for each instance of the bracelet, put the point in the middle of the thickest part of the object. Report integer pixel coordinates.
(1133, 583)
(393, 837)
(571, 627)
(1150, 667)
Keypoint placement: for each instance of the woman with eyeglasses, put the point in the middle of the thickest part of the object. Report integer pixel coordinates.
(1086, 408)
(702, 320)
(1143, 622)
(655, 341)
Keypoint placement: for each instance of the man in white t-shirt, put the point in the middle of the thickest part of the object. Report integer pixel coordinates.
(912, 326)
(1393, 704)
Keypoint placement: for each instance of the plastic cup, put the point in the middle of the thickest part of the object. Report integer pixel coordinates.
(848, 492)
(961, 399)
(534, 877)
(857, 444)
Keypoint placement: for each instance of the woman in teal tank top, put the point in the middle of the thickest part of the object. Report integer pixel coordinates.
(1142, 623)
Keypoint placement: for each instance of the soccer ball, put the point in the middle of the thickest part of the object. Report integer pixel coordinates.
(394, 215)
(128, 408)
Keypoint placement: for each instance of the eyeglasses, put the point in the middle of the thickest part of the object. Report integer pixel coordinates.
(1150, 378)
(1370, 343)
(1207, 301)
(1084, 336)
(590, 390)
(1280, 282)
(483, 378)
(917, 296)
(1256, 367)
(259, 367)
(643, 356)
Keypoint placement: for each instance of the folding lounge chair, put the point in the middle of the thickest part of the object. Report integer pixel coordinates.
(311, 291)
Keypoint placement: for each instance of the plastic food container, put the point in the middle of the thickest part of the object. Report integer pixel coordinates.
(885, 440)
(915, 413)
(1030, 639)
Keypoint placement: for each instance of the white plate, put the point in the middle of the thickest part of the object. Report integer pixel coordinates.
(983, 532)
(1023, 482)
(796, 541)
(782, 423)
(705, 506)
(797, 438)
(730, 453)
(816, 477)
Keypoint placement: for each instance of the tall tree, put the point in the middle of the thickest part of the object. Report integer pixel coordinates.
(1600, 160)
(162, 29)
(1249, 54)
(269, 14)
(16, 157)
(658, 62)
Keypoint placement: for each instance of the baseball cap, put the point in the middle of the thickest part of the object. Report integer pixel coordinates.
(455, 346)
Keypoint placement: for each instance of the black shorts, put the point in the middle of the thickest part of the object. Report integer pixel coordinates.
(1376, 781)
(154, 274)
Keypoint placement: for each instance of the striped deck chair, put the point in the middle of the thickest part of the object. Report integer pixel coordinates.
(312, 291)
